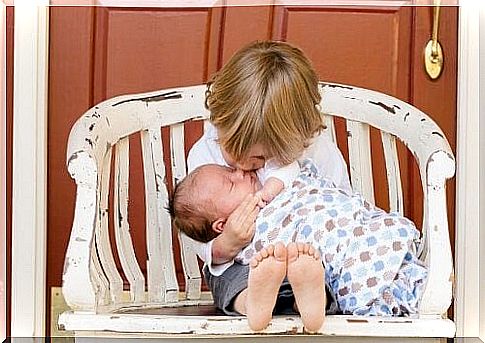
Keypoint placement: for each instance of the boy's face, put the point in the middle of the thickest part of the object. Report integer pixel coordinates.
(255, 159)
(227, 187)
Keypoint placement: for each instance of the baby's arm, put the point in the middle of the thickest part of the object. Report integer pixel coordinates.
(275, 179)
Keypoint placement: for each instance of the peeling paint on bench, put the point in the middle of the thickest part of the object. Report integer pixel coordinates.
(92, 286)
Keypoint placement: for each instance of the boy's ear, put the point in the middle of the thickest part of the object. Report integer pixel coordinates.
(218, 225)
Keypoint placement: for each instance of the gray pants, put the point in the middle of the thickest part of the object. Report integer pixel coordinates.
(226, 287)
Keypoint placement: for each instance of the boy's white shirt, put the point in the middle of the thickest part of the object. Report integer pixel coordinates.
(322, 151)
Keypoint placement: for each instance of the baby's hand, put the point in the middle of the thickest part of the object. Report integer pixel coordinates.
(272, 187)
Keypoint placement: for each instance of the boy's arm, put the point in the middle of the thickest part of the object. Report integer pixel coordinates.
(276, 178)
(272, 187)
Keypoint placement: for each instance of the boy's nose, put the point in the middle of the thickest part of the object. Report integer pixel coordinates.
(238, 175)
(245, 166)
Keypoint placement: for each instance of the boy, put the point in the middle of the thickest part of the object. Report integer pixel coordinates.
(368, 254)
(265, 116)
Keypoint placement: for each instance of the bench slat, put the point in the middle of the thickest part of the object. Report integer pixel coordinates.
(162, 281)
(329, 122)
(396, 202)
(347, 326)
(103, 244)
(124, 243)
(99, 279)
(360, 159)
(190, 265)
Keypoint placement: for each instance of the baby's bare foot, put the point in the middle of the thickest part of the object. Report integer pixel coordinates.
(268, 269)
(307, 279)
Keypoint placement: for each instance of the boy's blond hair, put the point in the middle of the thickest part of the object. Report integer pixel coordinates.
(190, 213)
(267, 93)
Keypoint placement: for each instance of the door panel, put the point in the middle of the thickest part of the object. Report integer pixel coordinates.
(243, 25)
(138, 50)
(340, 51)
(350, 55)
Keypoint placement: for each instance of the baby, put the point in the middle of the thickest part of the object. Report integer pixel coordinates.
(369, 255)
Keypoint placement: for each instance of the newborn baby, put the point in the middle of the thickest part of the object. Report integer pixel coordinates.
(369, 255)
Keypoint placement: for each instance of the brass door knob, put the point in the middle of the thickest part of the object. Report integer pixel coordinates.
(433, 53)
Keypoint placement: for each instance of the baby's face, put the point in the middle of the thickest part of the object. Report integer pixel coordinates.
(227, 187)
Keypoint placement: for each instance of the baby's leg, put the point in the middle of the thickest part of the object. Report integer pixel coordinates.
(268, 269)
(307, 278)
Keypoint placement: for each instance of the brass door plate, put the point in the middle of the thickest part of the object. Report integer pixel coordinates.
(433, 62)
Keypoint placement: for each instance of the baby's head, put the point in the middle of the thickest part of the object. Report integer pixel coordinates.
(263, 104)
(203, 201)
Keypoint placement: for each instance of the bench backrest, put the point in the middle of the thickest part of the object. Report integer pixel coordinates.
(91, 280)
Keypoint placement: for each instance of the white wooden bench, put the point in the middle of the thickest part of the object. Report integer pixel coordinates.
(92, 285)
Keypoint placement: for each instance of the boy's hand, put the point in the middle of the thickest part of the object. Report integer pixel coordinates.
(272, 187)
(238, 231)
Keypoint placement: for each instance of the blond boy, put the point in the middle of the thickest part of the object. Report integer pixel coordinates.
(264, 117)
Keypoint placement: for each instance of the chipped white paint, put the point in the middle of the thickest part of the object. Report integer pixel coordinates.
(103, 297)
(437, 296)
(156, 283)
(93, 336)
(106, 124)
(124, 244)
(396, 202)
(103, 244)
(190, 265)
(79, 289)
(162, 282)
(358, 135)
(290, 325)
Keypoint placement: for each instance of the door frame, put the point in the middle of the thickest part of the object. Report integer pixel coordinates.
(29, 169)
(468, 251)
(29, 212)
(482, 170)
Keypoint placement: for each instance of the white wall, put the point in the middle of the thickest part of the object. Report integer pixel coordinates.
(467, 243)
(482, 172)
(29, 168)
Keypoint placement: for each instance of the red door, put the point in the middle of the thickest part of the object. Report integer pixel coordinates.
(97, 53)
